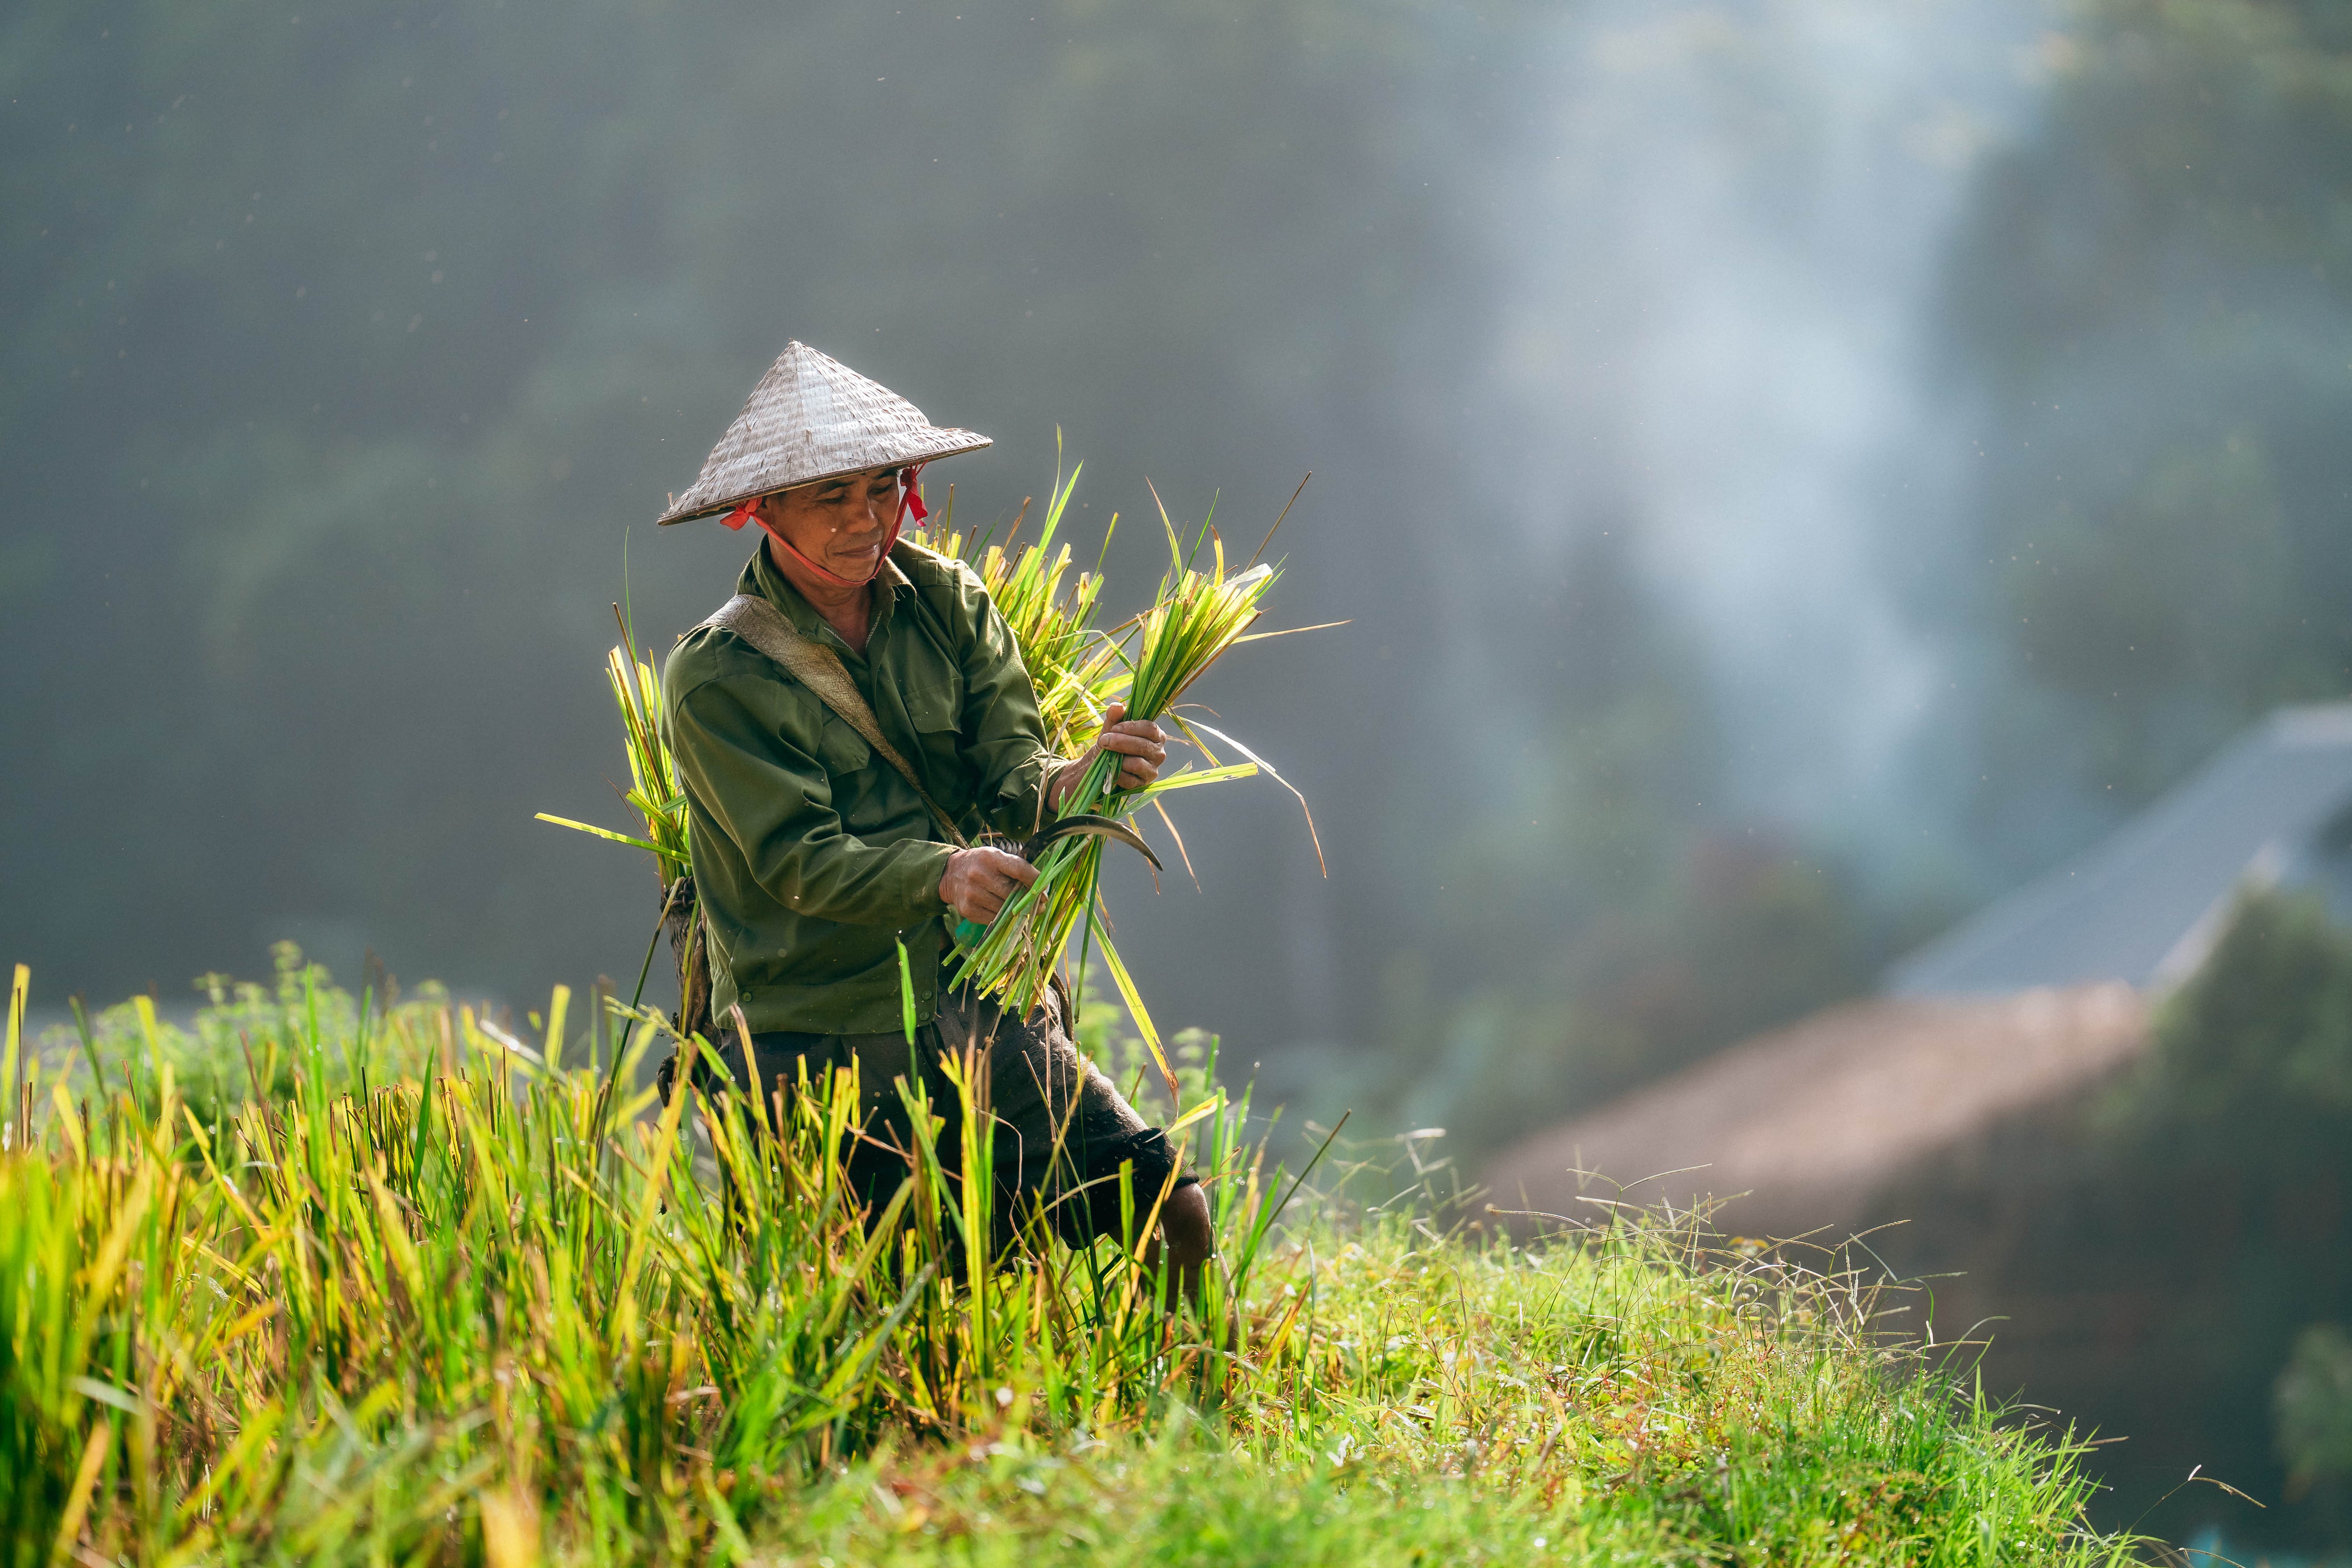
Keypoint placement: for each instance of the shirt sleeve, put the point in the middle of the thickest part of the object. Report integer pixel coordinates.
(1000, 714)
(772, 799)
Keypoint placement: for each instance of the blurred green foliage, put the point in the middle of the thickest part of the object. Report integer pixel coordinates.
(2154, 1261)
(2251, 1085)
(2152, 295)
(351, 343)
(2314, 1402)
(2253, 1058)
(2242, 1117)
(345, 346)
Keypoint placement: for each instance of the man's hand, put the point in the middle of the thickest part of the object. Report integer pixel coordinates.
(1140, 747)
(978, 881)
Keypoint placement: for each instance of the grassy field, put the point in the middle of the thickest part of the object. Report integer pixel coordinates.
(319, 1280)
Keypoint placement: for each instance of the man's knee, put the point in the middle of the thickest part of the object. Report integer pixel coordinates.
(1124, 1177)
(1186, 1223)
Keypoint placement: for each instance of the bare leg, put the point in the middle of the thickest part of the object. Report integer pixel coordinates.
(1191, 1240)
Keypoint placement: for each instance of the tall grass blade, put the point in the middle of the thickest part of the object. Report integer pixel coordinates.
(13, 1131)
(1135, 1010)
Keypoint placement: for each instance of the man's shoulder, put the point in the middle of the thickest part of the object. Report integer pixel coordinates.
(927, 568)
(709, 654)
(951, 591)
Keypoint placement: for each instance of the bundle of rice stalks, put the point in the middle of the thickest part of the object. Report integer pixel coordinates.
(654, 787)
(1195, 618)
(656, 795)
(1077, 670)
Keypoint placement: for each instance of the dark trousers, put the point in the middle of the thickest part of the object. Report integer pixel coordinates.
(1060, 1131)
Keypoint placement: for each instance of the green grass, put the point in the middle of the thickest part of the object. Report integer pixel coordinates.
(429, 1291)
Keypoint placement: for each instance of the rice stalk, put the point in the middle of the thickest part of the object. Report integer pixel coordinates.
(658, 795)
(1077, 670)
(655, 792)
(1196, 615)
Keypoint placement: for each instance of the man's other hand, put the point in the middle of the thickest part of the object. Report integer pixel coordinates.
(1139, 744)
(978, 881)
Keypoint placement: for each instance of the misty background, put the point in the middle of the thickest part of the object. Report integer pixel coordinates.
(1792, 468)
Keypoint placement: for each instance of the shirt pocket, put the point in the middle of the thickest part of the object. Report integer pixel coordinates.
(841, 749)
(936, 707)
(936, 710)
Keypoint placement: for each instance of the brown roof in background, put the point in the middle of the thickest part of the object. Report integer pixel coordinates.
(1811, 1119)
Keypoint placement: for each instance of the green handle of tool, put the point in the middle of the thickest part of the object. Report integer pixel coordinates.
(967, 932)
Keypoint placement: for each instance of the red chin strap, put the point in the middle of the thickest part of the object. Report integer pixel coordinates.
(910, 500)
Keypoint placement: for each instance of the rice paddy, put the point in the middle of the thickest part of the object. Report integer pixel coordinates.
(319, 1279)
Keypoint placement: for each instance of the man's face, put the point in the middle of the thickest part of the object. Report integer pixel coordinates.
(840, 524)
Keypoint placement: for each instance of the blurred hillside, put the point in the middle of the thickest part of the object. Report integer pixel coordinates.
(2153, 301)
(348, 347)
(1791, 469)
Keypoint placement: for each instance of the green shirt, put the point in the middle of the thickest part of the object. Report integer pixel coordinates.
(812, 856)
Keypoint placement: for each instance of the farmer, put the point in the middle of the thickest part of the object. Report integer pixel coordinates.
(834, 818)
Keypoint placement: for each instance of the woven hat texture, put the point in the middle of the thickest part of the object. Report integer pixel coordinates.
(812, 417)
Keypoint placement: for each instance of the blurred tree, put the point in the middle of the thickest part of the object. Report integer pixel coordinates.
(2253, 1067)
(2162, 619)
(345, 345)
(2313, 1401)
(2154, 1257)
(1606, 918)
(2154, 295)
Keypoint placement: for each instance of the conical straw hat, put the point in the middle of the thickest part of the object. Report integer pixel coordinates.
(812, 417)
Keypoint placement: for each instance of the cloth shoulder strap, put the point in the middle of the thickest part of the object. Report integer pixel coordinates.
(819, 669)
